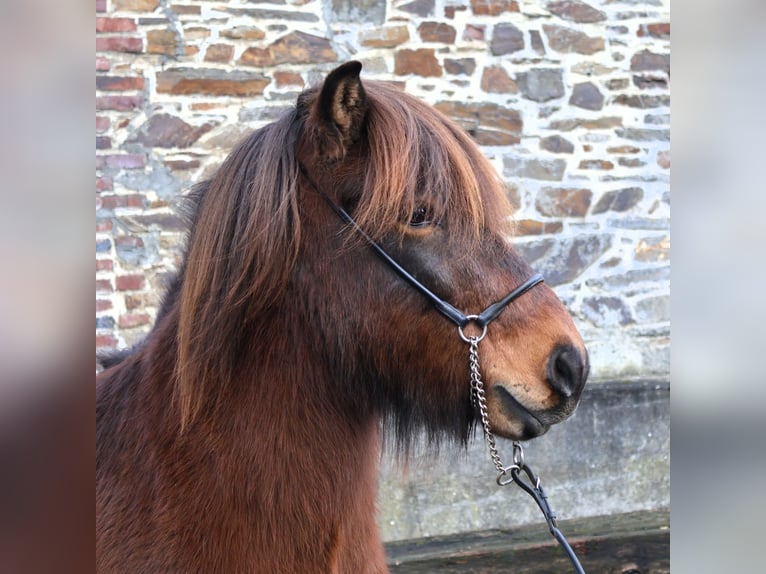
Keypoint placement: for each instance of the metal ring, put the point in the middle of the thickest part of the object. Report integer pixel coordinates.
(518, 455)
(505, 472)
(470, 318)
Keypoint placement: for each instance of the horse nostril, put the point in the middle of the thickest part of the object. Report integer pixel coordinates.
(567, 370)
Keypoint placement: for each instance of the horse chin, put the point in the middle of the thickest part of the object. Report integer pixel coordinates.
(510, 419)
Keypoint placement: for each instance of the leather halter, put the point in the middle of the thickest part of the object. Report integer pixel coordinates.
(445, 308)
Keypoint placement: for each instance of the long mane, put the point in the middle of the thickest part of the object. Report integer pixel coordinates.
(245, 236)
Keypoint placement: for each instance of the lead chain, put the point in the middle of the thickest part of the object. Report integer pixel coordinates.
(479, 400)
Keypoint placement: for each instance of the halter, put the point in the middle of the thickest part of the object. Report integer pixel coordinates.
(506, 474)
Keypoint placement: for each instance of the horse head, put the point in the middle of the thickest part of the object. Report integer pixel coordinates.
(417, 186)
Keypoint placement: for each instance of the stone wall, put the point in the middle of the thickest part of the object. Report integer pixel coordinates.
(569, 99)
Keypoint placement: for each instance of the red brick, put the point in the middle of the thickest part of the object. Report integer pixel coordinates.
(102, 123)
(288, 79)
(656, 30)
(104, 184)
(127, 161)
(104, 265)
(115, 25)
(102, 64)
(104, 285)
(119, 103)
(115, 201)
(119, 83)
(106, 342)
(130, 282)
(161, 42)
(103, 305)
(133, 320)
(103, 226)
(119, 44)
(100, 5)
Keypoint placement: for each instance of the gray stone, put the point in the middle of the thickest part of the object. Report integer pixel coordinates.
(653, 309)
(643, 135)
(556, 144)
(562, 260)
(606, 311)
(619, 200)
(422, 8)
(542, 169)
(587, 96)
(566, 40)
(541, 84)
(506, 39)
(354, 11)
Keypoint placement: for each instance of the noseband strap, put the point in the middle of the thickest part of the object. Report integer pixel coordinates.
(449, 311)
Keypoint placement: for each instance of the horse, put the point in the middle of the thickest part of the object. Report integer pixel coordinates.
(243, 434)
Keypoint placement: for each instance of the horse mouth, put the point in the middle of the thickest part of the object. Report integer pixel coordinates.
(523, 424)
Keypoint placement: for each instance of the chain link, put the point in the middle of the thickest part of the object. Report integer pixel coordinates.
(479, 400)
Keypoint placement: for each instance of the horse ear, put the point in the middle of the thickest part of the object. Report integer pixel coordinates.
(341, 108)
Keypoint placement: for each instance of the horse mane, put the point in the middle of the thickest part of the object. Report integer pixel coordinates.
(246, 229)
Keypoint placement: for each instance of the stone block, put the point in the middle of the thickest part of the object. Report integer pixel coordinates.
(293, 48)
(587, 96)
(563, 202)
(185, 81)
(541, 84)
(576, 11)
(506, 39)
(567, 41)
(421, 62)
(620, 200)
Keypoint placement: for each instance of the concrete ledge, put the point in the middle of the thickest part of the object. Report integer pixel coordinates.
(633, 543)
(612, 457)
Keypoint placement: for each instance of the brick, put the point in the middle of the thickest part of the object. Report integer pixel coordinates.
(161, 42)
(126, 161)
(100, 5)
(576, 11)
(104, 265)
(534, 227)
(115, 25)
(102, 123)
(104, 286)
(135, 5)
(566, 40)
(556, 144)
(284, 79)
(119, 44)
(130, 282)
(184, 81)
(186, 10)
(587, 96)
(619, 200)
(106, 342)
(294, 48)
(119, 83)
(103, 142)
(461, 66)
(103, 225)
(496, 80)
(437, 32)
(102, 64)
(119, 103)
(221, 53)
(130, 320)
(596, 164)
(493, 7)
(421, 62)
(167, 131)
(566, 202)
(243, 33)
(114, 201)
(196, 33)
(104, 184)
(385, 37)
(474, 32)
(663, 159)
(655, 30)
(646, 60)
(103, 305)
(506, 39)
(422, 8)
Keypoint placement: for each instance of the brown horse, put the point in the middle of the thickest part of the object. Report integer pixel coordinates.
(243, 434)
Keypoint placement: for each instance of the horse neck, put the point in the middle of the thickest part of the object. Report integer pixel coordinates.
(288, 460)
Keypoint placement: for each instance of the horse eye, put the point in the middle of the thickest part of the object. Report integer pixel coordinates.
(421, 217)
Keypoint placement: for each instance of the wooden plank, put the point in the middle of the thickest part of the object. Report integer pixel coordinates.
(633, 543)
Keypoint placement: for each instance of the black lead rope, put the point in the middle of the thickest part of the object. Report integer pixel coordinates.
(536, 491)
(533, 488)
